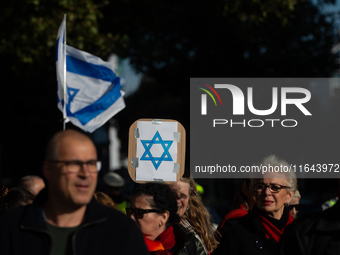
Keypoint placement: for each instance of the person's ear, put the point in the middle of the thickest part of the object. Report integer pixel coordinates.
(289, 197)
(164, 218)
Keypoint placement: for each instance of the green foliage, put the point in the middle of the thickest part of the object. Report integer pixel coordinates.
(206, 37)
(169, 41)
(172, 41)
(256, 11)
(28, 98)
(29, 31)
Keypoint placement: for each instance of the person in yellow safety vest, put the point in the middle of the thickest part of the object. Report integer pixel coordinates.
(330, 203)
(200, 190)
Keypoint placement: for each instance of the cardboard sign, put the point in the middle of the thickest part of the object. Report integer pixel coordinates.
(156, 150)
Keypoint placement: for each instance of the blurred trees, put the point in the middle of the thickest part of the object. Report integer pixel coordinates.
(172, 41)
(29, 30)
(168, 41)
(28, 89)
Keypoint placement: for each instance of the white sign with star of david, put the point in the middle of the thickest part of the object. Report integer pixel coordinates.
(156, 151)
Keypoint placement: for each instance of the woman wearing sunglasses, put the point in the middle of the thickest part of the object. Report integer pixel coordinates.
(294, 204)
(154, 209)
(260, 230)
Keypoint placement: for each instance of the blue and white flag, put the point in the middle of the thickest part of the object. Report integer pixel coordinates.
(90, 93)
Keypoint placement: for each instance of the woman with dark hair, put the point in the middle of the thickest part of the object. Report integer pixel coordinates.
(14, 197)
(195, 218)
(243, 202)
(154, 208)
(245, 198)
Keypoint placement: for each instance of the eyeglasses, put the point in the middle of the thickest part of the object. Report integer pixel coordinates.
(74, 166)
(290, 207)
(139, 213)
(274, 188)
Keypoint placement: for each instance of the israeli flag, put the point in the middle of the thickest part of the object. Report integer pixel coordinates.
(88, 89)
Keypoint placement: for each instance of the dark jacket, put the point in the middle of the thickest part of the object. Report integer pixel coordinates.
(313, 234)
(245, 235)
(186, 243)
(104, 231)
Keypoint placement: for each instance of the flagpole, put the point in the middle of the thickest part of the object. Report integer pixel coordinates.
(64, 106)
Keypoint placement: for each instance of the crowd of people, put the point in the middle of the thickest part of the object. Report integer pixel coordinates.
(69, 216)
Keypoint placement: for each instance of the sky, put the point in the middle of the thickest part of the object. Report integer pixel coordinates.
(131, 78)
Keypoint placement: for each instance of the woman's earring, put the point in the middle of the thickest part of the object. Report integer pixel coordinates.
(188, 208)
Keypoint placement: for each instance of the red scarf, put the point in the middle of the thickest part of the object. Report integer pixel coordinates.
(234, 214)
(270, 230)
(237, 213)
(165, 241)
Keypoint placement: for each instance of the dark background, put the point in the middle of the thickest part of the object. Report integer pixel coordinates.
(167, 42)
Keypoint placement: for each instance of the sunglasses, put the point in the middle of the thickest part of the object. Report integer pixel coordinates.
(139, 213)
(290, 207)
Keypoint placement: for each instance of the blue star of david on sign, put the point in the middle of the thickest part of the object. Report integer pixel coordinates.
(156, 161)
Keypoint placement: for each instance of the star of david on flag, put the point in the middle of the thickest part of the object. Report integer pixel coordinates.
(88, 89)
(156, 161)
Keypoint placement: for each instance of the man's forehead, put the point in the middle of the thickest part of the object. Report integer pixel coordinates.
(64, 139)
(70, 146)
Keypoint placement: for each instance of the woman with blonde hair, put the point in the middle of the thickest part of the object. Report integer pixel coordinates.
(194, 216)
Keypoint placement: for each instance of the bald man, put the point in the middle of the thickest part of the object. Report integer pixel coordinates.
(65, 218)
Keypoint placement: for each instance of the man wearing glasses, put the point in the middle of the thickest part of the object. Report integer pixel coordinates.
(65, 218)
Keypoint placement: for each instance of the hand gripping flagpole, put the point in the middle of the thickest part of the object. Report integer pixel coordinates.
(64, 67)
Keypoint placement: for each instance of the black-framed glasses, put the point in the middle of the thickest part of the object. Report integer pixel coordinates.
(274, 188)
(74, 166)
(290, 207)
(139, 213)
